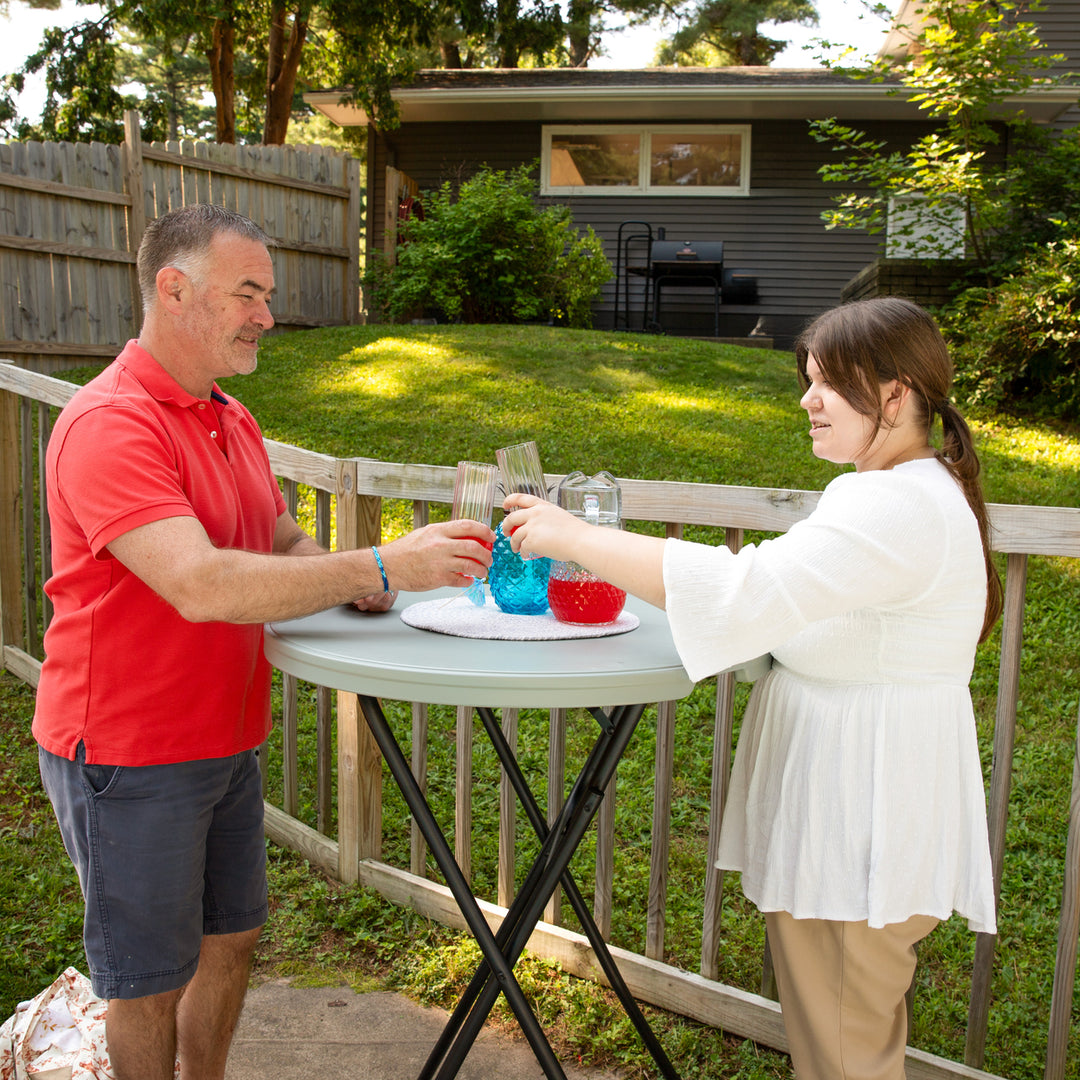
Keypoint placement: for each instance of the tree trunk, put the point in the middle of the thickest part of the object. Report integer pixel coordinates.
(285, 47)
(580, 48)
(579, 31)
(172, 89)
(748, 52)
(450, 54)
(221, 55)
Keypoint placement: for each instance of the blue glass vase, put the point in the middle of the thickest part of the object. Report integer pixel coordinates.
(518, 586)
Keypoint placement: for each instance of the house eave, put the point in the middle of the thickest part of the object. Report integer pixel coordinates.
(650, 103)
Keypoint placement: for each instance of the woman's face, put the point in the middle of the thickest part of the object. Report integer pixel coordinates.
(838, 432)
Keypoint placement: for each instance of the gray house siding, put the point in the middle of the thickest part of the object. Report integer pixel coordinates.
(1059, 29)
(776, 232)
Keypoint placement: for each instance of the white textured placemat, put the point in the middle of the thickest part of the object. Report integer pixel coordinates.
(460, 617)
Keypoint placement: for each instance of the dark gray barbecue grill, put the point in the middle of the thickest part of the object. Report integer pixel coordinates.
(687, 265)
(645, 253)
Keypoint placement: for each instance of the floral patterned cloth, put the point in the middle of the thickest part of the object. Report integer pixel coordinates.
(59, 1034)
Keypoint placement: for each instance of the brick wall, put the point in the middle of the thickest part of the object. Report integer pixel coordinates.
(926, 282)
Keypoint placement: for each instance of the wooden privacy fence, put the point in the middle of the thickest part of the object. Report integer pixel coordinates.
(349, 492)
(72, 216)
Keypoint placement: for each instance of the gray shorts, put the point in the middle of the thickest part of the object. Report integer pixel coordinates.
(164, 854)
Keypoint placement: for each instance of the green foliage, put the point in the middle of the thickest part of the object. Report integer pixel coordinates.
(268, 52)
(968, 59)
(1019, 342)
(488, 253)
(82, 102)
(728, 32)
(1014, 337)
(1043, 195)
(159, 46)
(40, 902)
(173, 70)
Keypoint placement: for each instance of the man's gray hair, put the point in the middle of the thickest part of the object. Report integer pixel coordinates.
(181, 238)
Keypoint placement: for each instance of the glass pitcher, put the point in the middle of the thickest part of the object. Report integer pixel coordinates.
(577, 595)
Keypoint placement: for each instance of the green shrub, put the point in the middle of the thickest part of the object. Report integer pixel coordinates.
(488, 253)
(1017, 344)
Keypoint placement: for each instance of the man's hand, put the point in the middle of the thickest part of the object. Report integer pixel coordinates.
(175, 558)
(382, 601)
(443, 553)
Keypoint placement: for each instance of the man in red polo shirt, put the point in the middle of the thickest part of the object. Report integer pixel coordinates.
(171, 547)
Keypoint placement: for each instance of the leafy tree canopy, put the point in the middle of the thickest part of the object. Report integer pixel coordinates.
(256, 56)
(967, 58)
(728, 32)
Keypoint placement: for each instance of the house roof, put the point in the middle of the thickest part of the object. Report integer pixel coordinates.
(655, 95)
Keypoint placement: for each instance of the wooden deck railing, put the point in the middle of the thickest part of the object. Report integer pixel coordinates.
(349, 493)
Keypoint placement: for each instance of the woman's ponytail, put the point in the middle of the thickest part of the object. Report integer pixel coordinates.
(959, 457)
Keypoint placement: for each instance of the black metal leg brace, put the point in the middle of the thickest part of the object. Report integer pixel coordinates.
(573, 894)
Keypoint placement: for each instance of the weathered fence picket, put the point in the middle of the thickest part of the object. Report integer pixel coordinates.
(72, 216)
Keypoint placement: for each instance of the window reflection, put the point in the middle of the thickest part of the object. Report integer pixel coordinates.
(638, 160)
(696, 161)
(595, 160)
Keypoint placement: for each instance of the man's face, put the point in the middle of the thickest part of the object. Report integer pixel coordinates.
(231, 305)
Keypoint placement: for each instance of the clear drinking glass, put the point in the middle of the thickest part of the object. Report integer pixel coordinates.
(519, 467)
(519, 584)
(474, 498)
(519, 470)
(474, 491)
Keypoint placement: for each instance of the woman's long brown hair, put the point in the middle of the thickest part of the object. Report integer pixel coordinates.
(860, 345)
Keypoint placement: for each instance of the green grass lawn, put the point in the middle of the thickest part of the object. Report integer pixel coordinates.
(640, 406)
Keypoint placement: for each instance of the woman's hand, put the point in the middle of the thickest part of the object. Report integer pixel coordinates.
(539, 527)
(627, 560)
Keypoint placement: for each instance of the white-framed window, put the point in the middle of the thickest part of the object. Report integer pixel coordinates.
(666, 159)
(920, 229)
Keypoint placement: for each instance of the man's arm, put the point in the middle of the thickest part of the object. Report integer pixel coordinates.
(176, 558)
(290, 539)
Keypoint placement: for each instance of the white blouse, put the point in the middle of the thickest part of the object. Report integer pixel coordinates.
(857, 790)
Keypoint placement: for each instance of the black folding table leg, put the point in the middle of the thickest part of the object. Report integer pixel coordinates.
(444, 857)
(569, 833)
(573, 894)
(467, 1014)
(531, 916)
(483, 972)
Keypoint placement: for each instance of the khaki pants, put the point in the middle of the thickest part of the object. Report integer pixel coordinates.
(842, 993)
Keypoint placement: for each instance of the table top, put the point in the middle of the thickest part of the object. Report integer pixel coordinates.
(382, 656)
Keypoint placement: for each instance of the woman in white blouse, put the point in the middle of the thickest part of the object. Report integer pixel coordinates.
(856, 813)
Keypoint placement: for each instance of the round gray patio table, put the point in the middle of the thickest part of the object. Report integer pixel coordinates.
(380, 656)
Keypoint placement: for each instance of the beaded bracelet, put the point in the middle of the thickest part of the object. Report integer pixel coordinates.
(382, 569)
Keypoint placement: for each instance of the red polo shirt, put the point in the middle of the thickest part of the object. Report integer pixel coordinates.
(124, 673)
